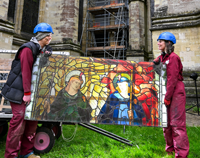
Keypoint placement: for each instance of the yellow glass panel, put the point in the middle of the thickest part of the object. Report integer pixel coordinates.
(52, 64)
(156, 86)
(96, 77)
(61, 73)
(55, 80)
(61, 65)
(79, 60)
(58, 57)
(88, 83)
(50, 69)
(112, 66)
(72, 63)
(94, 80)
(93, 113)
(88, 94)
(106, 90)
(43, 92)
(97, 64)
(104, 95)
(97, 88)
(45, 83)
(84, 65)
(93, 103)
(41, 111)
(91, 87)
(43, 70)
(78, 65)
(39, 101)
(61, 82)
(58, 88)
(100, 67)
(44, 76)
(51, 59)
(101, 103)
(84, 89)
(95, 94)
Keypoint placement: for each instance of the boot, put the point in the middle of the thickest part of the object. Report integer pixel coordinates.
(33, 156)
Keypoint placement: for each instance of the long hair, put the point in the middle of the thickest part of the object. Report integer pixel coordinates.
(169, 47)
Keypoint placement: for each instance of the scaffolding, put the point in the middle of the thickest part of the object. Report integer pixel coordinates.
(107, 28)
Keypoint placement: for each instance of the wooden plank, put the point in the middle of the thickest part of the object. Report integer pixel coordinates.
(113, 6)
(104, 48)
(107, 27)
(3, 81)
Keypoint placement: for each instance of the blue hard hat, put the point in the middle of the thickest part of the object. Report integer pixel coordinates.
(43, 27)
(168, 37)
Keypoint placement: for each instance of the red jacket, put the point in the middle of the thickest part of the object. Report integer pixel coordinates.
(174, 72)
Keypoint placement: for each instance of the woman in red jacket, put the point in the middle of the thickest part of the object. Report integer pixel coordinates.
(175, 98)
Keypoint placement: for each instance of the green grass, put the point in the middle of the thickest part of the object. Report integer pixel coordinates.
(194, 109)
(148, 142)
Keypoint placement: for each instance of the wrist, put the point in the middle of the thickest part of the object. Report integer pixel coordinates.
(27, 93)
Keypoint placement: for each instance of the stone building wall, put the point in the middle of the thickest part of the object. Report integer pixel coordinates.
(139, 33)
(63, 16)
(6, 27)
(177, 6)
(3, 9)
(187, 46)
(180, 17)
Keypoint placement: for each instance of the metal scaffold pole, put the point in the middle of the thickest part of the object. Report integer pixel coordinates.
(106, 27)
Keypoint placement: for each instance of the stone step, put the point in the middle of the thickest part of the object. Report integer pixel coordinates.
(191, 99)
(192, 90)
(191, 83)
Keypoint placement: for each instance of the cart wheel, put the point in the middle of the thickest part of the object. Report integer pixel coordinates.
(3, 128)
(57, 130)
(44, 140)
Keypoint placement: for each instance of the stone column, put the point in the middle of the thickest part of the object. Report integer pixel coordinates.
(6, 27)
(84, 35)
(136, 30)
(63, 16)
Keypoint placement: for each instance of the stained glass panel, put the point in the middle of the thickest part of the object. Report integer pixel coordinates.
(97, 90)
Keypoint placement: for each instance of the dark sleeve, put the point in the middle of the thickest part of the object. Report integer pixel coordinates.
(26, 59)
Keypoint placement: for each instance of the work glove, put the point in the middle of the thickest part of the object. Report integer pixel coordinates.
(48, 51)
(156, 61)
(167, 102)
(27, 99)
(157, 65)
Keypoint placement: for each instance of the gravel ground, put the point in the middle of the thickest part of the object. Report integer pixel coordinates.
(192, 119)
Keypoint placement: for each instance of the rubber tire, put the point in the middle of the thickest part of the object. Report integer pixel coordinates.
(3, 128)
(44, 140)
(56, 128)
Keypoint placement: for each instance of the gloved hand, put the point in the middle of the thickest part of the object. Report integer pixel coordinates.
(27, 99)
(48, 51)
(157, 65)
(167, 102)
(156, 61)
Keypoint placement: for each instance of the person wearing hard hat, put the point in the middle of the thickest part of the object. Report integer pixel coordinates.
(17, 90)
(175, 133)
